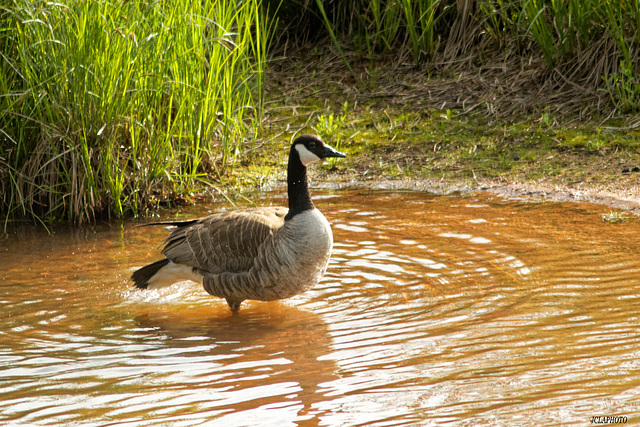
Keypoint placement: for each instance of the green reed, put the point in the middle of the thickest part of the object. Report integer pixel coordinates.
(584, 32)
(404, 24)
(562, 29)
(109, 107)
(378, 26)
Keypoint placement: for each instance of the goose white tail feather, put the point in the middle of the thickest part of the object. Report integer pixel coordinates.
(173, 273)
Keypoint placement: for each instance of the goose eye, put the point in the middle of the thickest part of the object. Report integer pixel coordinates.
(312, 145)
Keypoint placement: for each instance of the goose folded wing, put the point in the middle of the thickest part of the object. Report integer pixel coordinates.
(225, 242)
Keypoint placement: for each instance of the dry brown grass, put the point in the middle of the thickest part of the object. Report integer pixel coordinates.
(470, 71)
(502, 86)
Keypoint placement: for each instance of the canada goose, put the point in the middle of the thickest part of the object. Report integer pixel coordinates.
(263, 254)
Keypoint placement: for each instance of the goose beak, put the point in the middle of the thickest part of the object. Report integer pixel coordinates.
(331, 152)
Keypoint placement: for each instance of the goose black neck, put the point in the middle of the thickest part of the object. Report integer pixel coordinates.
(298, 189)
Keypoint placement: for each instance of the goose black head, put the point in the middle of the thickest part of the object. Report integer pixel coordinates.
(312, 149)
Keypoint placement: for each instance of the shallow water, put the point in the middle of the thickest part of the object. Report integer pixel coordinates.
(462, 309)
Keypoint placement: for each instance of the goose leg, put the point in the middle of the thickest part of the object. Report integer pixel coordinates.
(234, 305)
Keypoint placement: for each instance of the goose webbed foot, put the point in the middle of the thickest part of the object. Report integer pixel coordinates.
(234, 305)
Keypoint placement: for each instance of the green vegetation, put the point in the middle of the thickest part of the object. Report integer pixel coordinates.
(617, 217)
(454, 149)
(109, 108)
(591, 42)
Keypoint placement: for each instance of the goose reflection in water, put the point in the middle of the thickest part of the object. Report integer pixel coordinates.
(270, 358)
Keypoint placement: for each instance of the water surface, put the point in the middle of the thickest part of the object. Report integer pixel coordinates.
(464, 309)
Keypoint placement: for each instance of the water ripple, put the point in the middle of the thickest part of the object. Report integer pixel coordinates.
(466, 310)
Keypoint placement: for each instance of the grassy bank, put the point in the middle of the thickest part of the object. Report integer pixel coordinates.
(113, 108)
(109, 107)
(422, 147)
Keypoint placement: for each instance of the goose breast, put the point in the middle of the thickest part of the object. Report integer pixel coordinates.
(307, 241)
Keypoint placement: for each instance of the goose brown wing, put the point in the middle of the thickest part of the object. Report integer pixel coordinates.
(224, 242)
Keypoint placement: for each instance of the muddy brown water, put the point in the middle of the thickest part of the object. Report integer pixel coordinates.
(468, 310)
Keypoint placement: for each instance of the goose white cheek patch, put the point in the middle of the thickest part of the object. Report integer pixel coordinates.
(306, 156)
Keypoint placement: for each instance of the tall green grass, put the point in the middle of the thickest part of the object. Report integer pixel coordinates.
(108, 107)
(564, 29)
(381, 26)
(600, 35)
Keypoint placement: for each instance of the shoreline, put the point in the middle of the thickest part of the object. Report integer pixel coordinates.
(622, 198)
